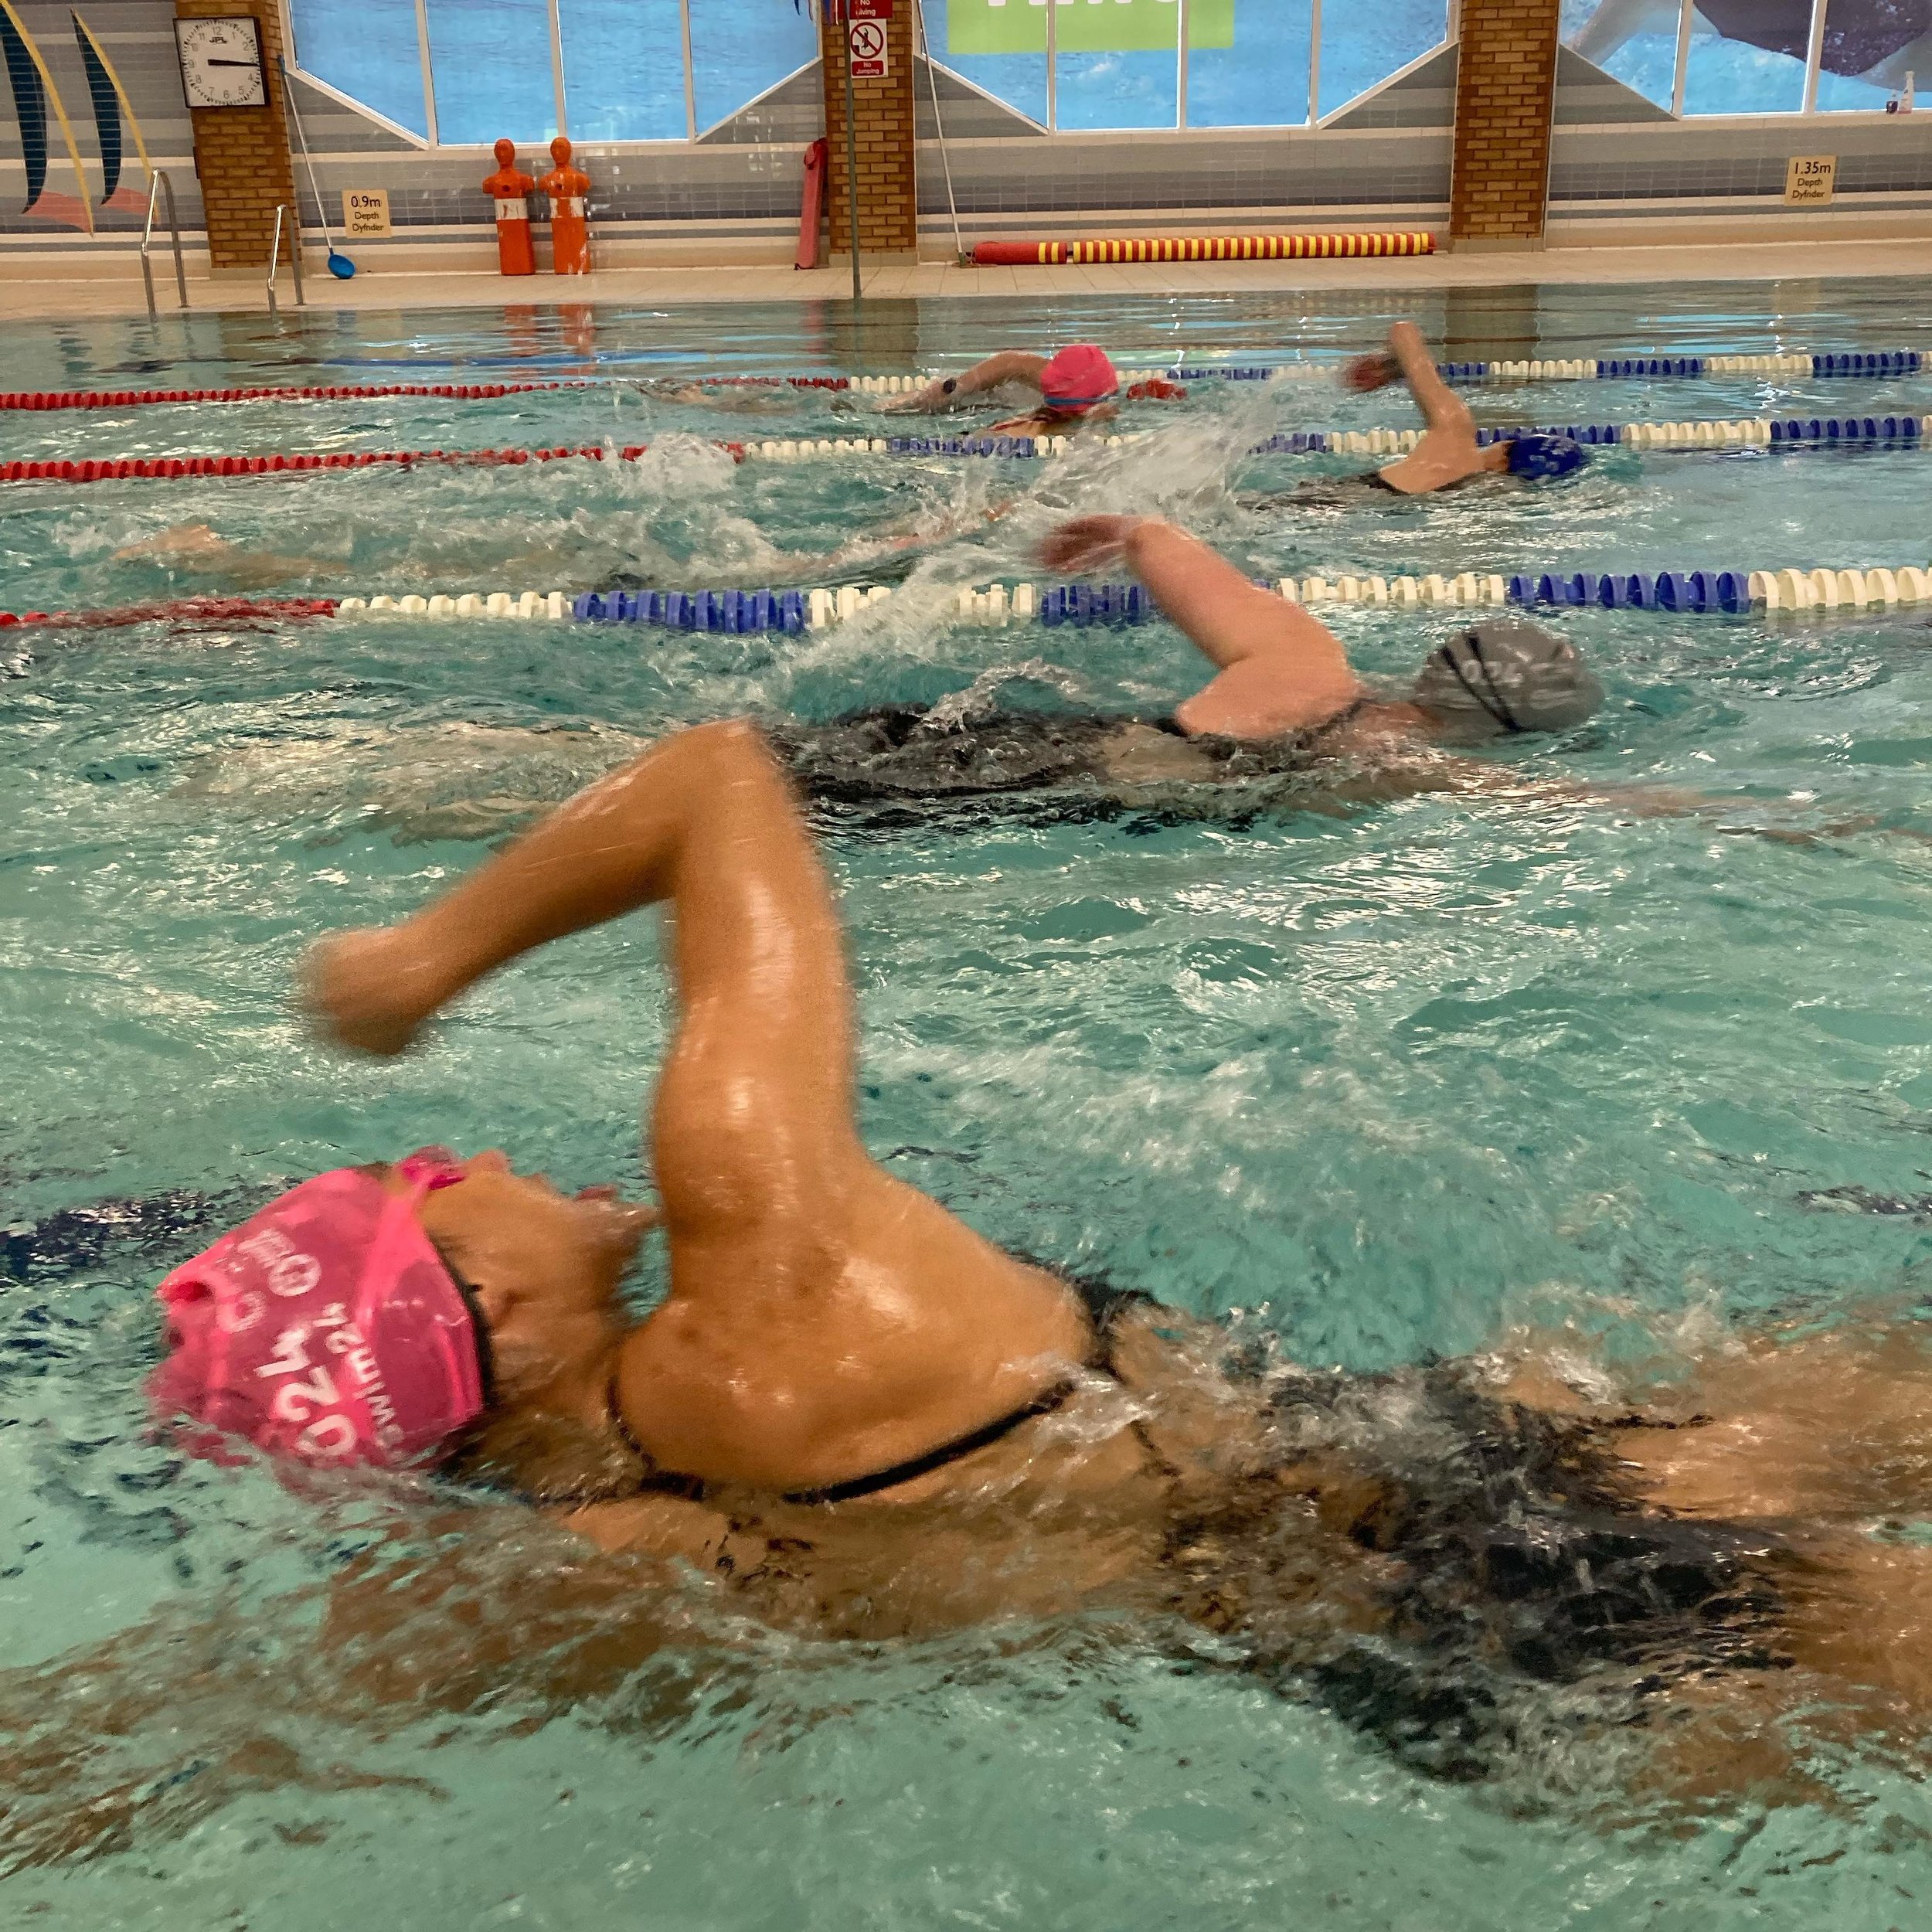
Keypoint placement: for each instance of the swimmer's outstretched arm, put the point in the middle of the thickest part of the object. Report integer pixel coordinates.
(1009, 366)
(196, 546)
(1281, 669)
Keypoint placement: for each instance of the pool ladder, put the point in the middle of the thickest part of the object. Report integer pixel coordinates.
(161, 186)
(294, 257)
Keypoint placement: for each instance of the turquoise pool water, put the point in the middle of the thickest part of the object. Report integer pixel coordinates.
(1390, 1086)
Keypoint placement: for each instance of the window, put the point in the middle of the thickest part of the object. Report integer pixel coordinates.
(624, 69)
(1118, 64)
(615, 70)
(1747, 57)
(1644, 60)
(367, 51)
(1868, 50)
(740, 48)
(1363, 45)
(1001, 51)
(1246, 65)
(490, 62)
(1756, 56)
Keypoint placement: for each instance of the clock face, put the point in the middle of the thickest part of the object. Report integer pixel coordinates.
(221, 61)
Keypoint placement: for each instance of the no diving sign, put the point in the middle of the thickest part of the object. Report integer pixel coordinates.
(866, 40)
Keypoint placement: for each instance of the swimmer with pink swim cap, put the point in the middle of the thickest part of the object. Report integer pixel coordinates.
(327, 1327)
(367, 1316)
(853, 1417)
(1077, 386)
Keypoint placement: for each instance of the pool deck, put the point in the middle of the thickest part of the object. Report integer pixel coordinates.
(29, 291)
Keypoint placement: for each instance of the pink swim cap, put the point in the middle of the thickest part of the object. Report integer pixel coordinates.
(1076, 378)
(326, 1327)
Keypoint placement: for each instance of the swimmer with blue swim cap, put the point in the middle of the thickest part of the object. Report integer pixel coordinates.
(1449, 454)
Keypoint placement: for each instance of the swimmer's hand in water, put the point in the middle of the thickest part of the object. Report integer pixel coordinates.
(1367, 372)
(371, 988)
(1088, 543)
(929, 401)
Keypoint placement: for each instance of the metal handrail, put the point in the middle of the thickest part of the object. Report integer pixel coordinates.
(161, 186)
(294, 256)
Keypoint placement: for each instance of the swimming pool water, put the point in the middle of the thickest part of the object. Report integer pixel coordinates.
(1388, 1085)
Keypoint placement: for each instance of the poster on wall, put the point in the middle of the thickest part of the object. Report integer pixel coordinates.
(1123, 27)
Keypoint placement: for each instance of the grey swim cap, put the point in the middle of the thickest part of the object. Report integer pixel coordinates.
(1506, 675)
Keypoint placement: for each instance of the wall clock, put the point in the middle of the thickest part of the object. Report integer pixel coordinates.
(221, 61)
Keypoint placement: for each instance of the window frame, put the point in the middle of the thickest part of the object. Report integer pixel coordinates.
(693, 135)
(1807, 108)
(1313, 120)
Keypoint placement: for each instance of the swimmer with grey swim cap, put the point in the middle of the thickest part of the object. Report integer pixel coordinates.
(1507, 675)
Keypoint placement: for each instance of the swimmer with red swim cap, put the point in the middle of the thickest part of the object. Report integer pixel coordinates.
(1077, 386)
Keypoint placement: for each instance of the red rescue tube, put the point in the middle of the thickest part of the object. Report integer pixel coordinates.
(996, 254)
(811, 206)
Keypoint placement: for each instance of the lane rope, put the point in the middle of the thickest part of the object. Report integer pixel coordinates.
(1896, 361)
(115, 469)
(461, 392)
(1738, 593)
(1747, 433)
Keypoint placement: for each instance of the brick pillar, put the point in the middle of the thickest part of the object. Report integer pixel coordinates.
(1505, 96)
(241, 154)
(888, 188)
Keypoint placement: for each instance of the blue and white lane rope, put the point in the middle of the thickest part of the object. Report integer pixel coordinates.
(1761, 432)
(1735, 593)
(1891, 361)
(1756, 432)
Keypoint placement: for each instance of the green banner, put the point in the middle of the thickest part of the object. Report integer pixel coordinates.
(1085, 26)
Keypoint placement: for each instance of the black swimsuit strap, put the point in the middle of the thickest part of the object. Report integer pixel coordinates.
(1101, 1302)
(1042, 1404)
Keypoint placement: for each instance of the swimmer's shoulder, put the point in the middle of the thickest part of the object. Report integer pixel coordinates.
(1418, 475)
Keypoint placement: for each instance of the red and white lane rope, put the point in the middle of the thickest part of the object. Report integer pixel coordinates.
(112, 469)
(317, 393)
